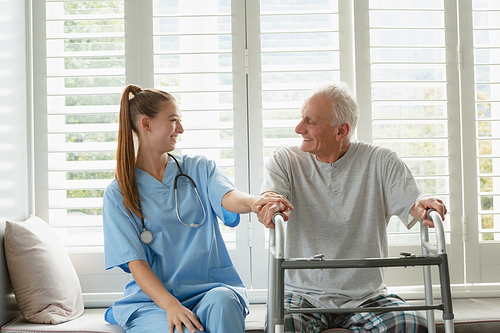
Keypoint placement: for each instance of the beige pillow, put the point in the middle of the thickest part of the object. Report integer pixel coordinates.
(45, 283)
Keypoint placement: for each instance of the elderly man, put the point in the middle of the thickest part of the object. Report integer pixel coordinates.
(344, 193)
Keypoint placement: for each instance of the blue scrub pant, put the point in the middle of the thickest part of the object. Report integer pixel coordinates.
(219, 311)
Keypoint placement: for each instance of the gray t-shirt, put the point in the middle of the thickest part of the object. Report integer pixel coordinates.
(341, 210)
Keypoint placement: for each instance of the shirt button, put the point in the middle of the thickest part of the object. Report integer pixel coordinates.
(335, 193)
(334, 179)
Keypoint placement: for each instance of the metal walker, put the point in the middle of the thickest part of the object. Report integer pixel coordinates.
(431, 255)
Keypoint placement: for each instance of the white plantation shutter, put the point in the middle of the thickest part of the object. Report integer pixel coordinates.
(79, 74)
(192, 58)
(481, 100)
(94, 49)
(300, 47)
(413, 99)
(85, 76)
(241, 71)
(487, 82)
(409, 94)
(192, 48)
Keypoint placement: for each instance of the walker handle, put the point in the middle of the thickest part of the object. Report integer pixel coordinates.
(434, 216)
(277, 235)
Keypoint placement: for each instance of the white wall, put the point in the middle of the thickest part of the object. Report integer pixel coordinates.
(14, 156)
(14, 133)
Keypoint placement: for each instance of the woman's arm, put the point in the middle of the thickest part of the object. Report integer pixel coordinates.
(177, 315)
(241, 202)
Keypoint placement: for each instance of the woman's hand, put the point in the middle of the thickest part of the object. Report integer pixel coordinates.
(178, 315)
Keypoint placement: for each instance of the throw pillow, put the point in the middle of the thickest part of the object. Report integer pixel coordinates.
(45, 283)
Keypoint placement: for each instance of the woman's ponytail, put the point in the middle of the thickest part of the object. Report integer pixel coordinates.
(125, 153)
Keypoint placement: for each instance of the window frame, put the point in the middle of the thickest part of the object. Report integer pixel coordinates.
(465, 248)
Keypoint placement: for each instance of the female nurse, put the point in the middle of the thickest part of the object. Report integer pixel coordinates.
(165, 231)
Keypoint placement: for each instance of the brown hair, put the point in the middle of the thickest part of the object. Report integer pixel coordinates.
(135, 103)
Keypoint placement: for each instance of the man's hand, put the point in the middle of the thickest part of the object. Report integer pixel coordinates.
(267, 212)
(425, 202)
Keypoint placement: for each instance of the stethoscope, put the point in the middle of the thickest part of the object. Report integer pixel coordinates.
(146, 235)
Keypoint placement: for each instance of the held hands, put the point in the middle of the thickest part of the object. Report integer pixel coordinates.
(178, 315)
(278, 204)
(267, 198)
(425, 202)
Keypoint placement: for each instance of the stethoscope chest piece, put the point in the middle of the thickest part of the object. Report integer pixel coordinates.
(146, 237)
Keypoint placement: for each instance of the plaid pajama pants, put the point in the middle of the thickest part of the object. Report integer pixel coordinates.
(389, 322)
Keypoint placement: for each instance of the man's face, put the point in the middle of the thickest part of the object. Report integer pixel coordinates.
(318, 133)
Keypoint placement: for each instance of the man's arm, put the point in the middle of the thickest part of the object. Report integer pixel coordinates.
(276, 182)
(424, 202)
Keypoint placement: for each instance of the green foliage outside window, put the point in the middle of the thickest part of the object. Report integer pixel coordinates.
(487, 223)
(83, 175)
(91, 82)
(92, 156)
(84, 193)
(96, 211)
(87, 7)
(91, 137)
(92, 119)
(90, 100)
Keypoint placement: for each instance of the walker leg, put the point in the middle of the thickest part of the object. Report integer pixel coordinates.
(429, 299)
(444, 277)
(271, 299)
(279, 296)
(448, 326)
(279, 328)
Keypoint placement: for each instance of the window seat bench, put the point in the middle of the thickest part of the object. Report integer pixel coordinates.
(481, 315)
(93, 321)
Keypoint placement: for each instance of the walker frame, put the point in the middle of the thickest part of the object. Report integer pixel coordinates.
(431, 255)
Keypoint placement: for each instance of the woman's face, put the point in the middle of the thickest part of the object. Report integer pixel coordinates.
(165, 128)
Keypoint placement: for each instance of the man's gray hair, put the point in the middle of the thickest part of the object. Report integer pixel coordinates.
(345, 107)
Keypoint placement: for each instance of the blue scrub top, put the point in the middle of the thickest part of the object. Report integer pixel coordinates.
(188, 261)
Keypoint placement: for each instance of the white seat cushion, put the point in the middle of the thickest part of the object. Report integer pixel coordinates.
(92, 320)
